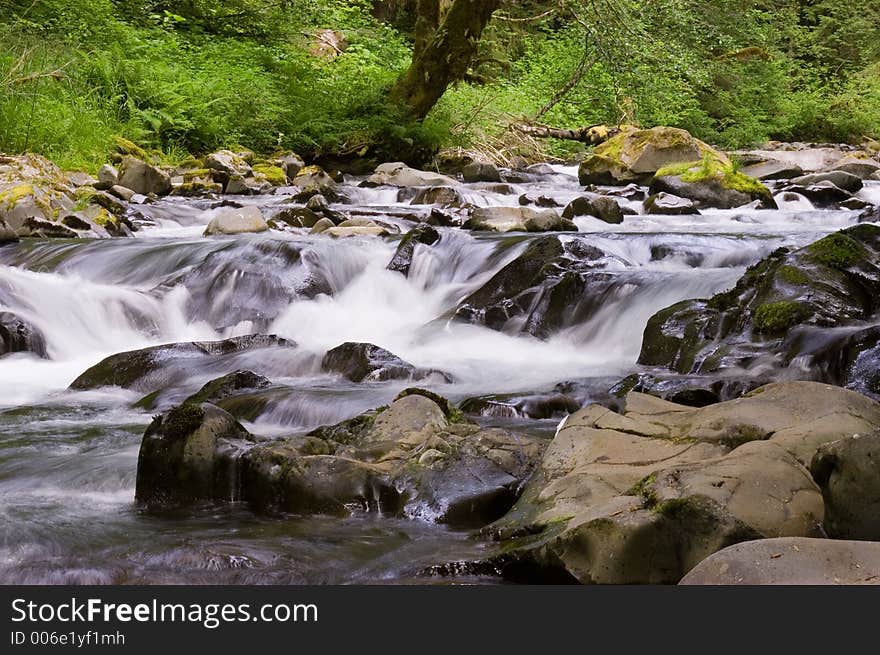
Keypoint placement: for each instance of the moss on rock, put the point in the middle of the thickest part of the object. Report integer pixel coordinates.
(837, 250)
(776, 317)
(274, 174)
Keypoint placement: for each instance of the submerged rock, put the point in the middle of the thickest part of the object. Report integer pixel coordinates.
(159, 367)
(18, 336)
(644, 495)
(231, 383)
(403, 256)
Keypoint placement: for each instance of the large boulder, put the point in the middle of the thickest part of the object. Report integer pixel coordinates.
(189, 454)
(229, 163)
(237, 221)
(644, 495)
(18, 335)
(636, 155)
(848, 471)
(400, 175)
(416, 458)
(361, 362)
(840, 179)
(478, 171)
(517, 219)
(144, 178)
(829, 283)
(711, 183)
(790, 561)
(548, 286)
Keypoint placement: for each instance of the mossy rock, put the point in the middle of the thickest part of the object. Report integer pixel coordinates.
(636, 155)
(838, 251)
(777, 317)
(711, 182)
(274, 174)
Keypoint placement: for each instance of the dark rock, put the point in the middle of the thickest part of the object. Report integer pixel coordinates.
(826, 284)
(364, 361)
(402, 260)
(848, 472)
(705, 194)
(438, 195)
(17, 336)
(668, 204)
(189, 454)
(7, 234)
(821, 194)
(161, 366)
(601, 207)
(297, 217)
(223, 387)
(539, 201)
(547, 287)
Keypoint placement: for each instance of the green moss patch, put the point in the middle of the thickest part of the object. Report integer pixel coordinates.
(712, 169)
(274, 174)
(792, 275)
(776, 317)
(837, 251)
(11, 197)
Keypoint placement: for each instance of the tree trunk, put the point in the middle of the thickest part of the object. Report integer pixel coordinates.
(447, 37)
(593, 134)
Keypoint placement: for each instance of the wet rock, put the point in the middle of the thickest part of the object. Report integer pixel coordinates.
(160, 367)
(19, 336)
(416, 458)
(539, 201)
(602, 207)
(840, 179)
(39, 227)
(122, 193)
(848, 472)
(438, 195)
(298, 217)
(537, 406)
(403, 256)
(356, 227)
(790, 561)
(189, 454)
(826, 284)
(361, 362)
(143, 178)
(822, 194)
(517, 219)
(314, 180)
(410, 459)
(636, 155)
(547, 287)
(668, 204)
(237, 221)
(644, 495)
(400, 175)
(480, 172)
(231, 383)
(851, 360)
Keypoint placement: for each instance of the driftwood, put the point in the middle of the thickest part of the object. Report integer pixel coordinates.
(593, 134)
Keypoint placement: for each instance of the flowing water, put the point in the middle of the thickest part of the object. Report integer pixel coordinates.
(68, 459)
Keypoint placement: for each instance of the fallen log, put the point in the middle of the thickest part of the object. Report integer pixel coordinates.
(593, 134)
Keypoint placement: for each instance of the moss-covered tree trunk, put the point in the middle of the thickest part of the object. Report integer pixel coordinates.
(447, 38)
